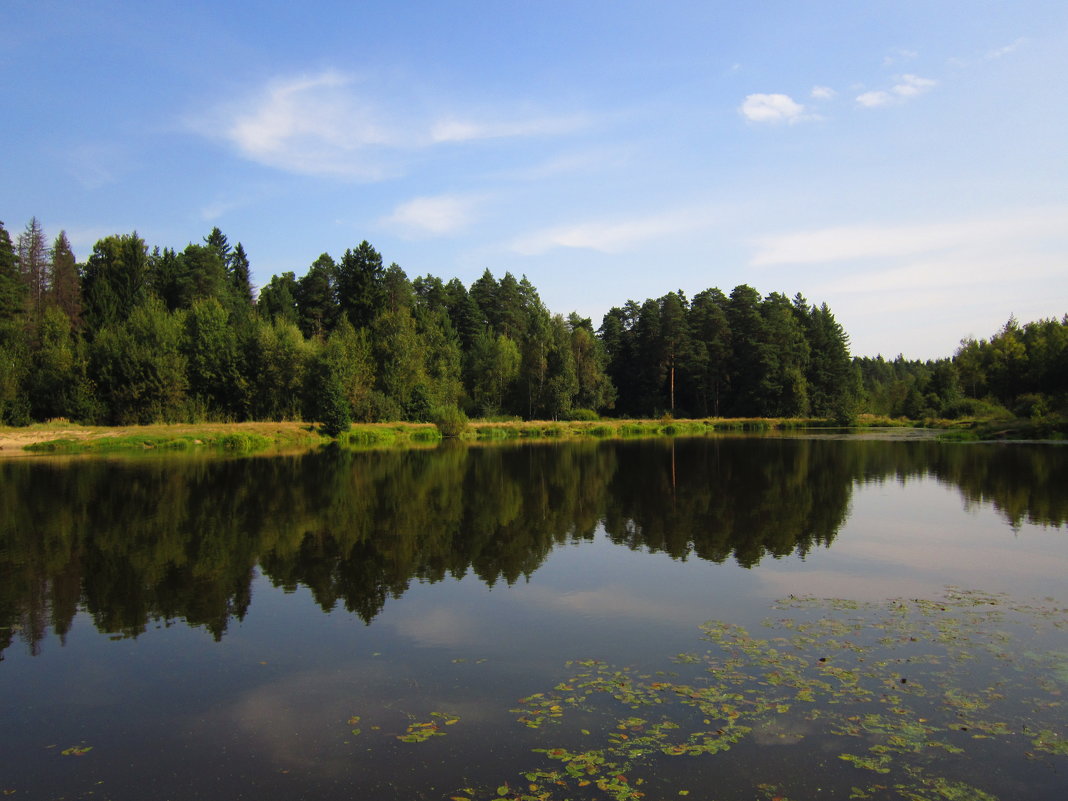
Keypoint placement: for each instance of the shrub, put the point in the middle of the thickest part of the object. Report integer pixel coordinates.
(1033, 405)
(583, 415)
(971, 407)
(450, 420)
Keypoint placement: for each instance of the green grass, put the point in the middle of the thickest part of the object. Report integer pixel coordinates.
(252, 437)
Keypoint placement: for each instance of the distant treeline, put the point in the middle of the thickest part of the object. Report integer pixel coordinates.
(1021, 370)
(139, 335)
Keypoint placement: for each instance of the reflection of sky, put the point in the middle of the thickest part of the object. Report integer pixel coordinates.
(605, 600)
(913, 539)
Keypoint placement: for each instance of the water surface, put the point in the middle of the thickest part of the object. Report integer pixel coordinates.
(218, 628)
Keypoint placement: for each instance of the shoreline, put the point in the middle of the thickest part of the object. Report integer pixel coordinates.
(64, 438)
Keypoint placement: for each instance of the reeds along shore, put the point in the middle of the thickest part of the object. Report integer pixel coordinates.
(63, 437)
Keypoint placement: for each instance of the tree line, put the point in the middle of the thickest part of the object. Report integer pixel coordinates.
(140, 335)
(1022, 370)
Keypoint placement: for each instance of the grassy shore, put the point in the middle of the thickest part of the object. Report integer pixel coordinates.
(69, 438)
(61, 437)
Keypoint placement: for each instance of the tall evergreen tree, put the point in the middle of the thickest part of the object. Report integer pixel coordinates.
(34, 266)
(749, 363)
(66, 290)
(12, 288)
(317, 308)
(674, 341)
(464, 313)
(218, 242)
(831, 380)
(239, 272)
(712, 349)
(359, 284)
(784, 388)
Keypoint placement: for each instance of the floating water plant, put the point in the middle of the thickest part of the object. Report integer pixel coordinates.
(926, 700)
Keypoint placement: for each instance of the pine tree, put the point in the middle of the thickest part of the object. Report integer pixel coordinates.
(239, 273)
(66, 290)
(359, 284)
(34, 267)
(316, 299)
(12, 288)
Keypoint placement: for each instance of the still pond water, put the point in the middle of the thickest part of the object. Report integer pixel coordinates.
(735, 618)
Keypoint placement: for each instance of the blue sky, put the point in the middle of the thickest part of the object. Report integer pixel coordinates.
(904, 162)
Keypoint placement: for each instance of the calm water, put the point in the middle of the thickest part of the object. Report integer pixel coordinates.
(220, 628)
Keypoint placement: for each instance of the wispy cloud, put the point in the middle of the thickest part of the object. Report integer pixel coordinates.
(962, 275)
(95, 165)
(572, 163)
(613, 236)
(1000, 52)
(331, 123)
(899, 56)
(865, 242)
(466, 130)
(822, 93)
(315, 125)
(774, 108)
(908, 86)
(439, 215)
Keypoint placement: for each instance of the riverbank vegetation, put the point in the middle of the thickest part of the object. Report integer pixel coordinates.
(63, 437)
(137, 336)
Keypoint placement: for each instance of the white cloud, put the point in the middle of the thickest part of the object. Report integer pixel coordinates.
(612, 236)
(908, 86)
(439, 215)
(912, 85)
(874, 99)
(822, 93)
(331, 123)
(771, 108)
(309, 124)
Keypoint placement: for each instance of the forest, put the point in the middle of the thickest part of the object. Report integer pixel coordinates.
(138, 335)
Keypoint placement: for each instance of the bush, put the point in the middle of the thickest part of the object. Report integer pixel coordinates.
(450, 420)
(583, 415)
(971, 407)
(1033, 405)
(334, 409)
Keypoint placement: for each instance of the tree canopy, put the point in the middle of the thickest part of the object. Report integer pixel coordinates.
(135, 334)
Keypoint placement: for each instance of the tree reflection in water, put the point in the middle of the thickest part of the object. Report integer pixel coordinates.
(133, 542)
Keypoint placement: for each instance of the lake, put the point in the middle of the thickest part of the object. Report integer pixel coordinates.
(763, 617)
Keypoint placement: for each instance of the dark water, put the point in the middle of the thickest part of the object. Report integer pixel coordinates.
(217, 628)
